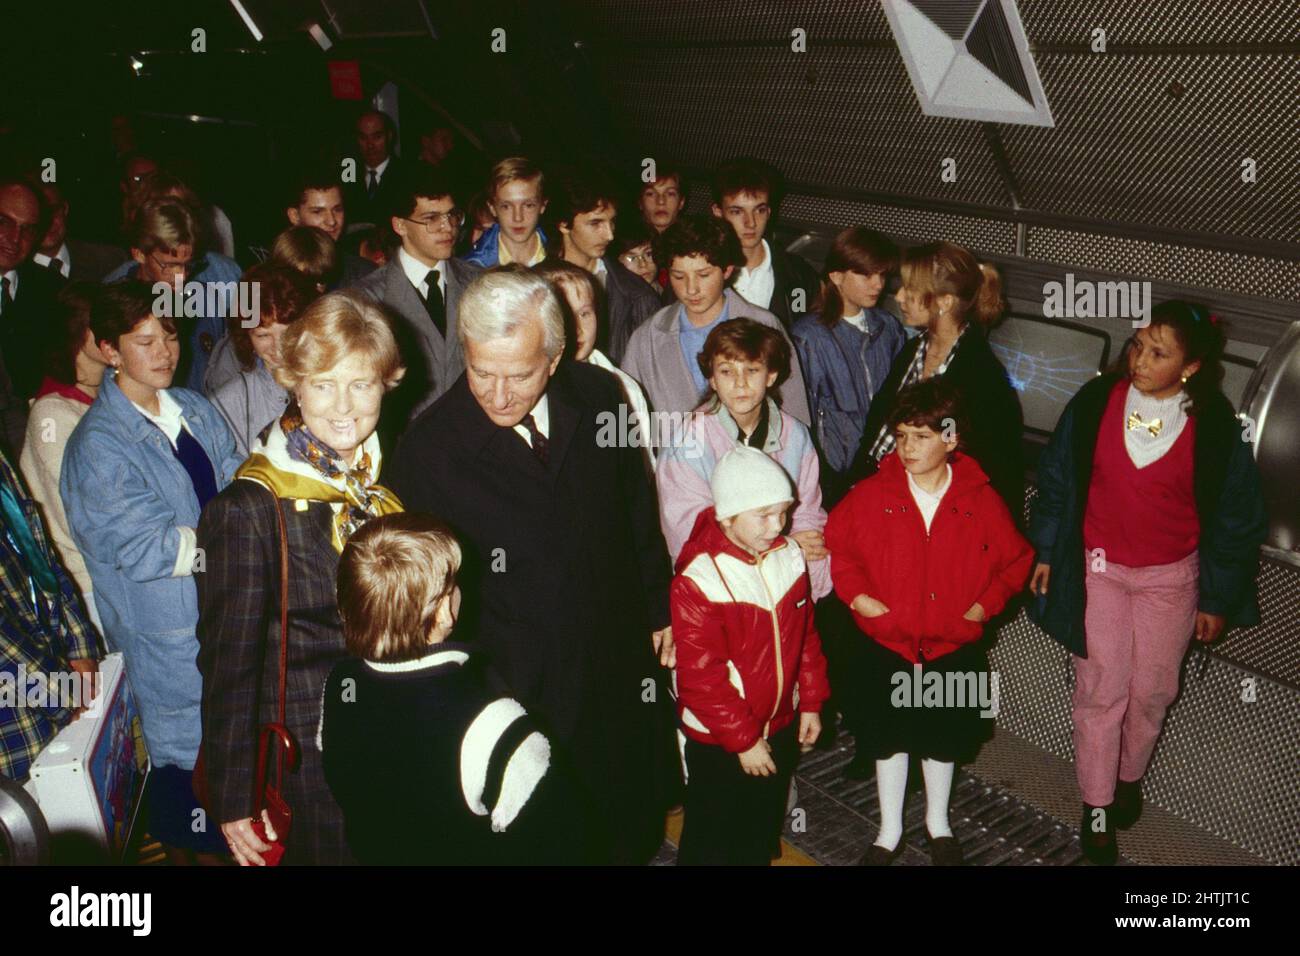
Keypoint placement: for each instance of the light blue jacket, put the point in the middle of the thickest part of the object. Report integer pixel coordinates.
(127, 496)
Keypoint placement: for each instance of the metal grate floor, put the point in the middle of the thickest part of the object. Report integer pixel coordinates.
(995, 828)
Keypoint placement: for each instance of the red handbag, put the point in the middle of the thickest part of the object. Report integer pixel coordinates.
(276, 737)
(273, 738)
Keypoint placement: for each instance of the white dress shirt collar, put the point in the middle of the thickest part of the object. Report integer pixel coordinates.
(928, 501)
(63, 255)
(541, 418)
(379, 170)
(416, 271)
(12, 276)
(757, 285)
(169, 417)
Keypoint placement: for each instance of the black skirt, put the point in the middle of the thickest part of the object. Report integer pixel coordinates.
(942, 710)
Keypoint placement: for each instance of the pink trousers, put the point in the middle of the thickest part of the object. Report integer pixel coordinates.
(1139, 622)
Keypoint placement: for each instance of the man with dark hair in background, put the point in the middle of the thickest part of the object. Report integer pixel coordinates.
(422, 284)
(745, 193)
(371, 197)
(582, 206)
(27, 294)
(314, 197)
(70, 257)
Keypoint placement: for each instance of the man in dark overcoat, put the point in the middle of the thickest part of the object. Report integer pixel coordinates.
(566, 572)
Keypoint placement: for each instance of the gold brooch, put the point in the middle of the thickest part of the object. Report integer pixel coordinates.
(1153, 426)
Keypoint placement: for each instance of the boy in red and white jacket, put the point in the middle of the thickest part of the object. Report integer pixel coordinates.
(748, 661)
(924, 552)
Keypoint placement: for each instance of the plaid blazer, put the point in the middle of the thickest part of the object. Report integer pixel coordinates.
(239, 656)
(33, 642)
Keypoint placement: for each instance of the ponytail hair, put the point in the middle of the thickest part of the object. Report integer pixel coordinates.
(1201, 336)
(945, 268)
(857, 249)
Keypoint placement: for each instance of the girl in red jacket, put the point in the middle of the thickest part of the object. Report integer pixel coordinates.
(748, 661)
(925, 552)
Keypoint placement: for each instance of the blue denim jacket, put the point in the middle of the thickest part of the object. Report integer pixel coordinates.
(127, 497)
(843, 370)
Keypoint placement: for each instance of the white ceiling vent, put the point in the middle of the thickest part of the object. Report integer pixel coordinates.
(969, 59)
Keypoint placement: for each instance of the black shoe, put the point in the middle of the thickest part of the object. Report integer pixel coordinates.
(861, 767)
(878, 856)
(945, 851)
(1128, 803)
(1100, 848)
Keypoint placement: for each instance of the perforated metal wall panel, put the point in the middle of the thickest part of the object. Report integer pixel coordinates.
(734, 21)
(809, 113)
(1179, 22)
(1211, 268)
(1125, 150)
(983, 235)
(1150, 133)
(1222, 763)
(1272, 647)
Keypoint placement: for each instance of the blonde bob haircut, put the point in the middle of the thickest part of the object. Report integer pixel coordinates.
(393, 574)
(331, 330)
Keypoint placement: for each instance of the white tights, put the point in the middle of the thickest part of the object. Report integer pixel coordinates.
(891, 782)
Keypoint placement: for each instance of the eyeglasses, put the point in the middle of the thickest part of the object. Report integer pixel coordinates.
(166, 268)
(435, 220)
(638, 258)
(26, 230)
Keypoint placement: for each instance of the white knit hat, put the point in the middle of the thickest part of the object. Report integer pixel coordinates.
(746, 479)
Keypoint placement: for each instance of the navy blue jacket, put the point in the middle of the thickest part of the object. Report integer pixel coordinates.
(1229, 504)
(843, 369)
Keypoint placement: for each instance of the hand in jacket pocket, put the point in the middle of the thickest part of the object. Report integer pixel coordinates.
(868, 606)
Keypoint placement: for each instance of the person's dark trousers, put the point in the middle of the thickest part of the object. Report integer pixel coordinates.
(842, 643)
(731, 818)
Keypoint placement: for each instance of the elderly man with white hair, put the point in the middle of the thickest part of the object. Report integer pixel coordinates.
(566, 572)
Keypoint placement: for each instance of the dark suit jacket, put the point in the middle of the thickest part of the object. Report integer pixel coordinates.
(565, 577)
(630, 300)
(994, 420)
(360, 207)
(239, 648)
(25, 332)
(91, 261)
(433, 361)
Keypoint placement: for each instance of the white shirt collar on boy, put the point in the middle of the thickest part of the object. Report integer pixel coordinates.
(928, 501)
(169, 417)
(432, 659)
(758, 284)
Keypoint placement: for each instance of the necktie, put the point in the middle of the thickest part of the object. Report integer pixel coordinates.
(372, 183)
(56, 265)
(6, 300)
(541, 446)
(433, 302)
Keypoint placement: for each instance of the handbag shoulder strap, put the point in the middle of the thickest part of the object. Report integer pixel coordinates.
(284, 604)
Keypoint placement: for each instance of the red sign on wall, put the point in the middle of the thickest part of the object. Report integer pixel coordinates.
(345, 79)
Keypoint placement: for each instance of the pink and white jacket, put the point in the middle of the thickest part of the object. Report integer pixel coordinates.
(686, 465)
